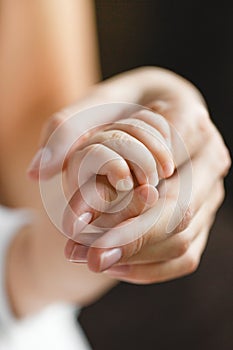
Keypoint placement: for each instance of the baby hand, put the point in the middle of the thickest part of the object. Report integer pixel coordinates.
(138, 146)
(129, 153)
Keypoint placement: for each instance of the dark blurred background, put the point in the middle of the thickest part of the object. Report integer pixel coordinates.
(194, 39)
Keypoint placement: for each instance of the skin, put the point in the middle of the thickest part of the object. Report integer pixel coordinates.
(148, 150)
(56, 68)
(35, 259)
(178, 101)
(31, 37)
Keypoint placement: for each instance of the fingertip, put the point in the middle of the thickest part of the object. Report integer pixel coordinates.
(100, 260)
(148, 194)
(32, 174)
(119, 176)
(40, 166)
(125, 184)
(168, 169)
(153, 179)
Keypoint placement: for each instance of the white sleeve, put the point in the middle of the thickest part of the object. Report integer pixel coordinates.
(11, 221)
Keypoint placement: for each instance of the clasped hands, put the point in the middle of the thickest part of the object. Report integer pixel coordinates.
(148, 185)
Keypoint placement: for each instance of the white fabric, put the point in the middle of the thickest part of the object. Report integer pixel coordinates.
(55, 327)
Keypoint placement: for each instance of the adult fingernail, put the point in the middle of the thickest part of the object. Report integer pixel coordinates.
(80, 223)
(44, 155)
(109, 258)
(125, 184)
(78, 254)
(148, 195)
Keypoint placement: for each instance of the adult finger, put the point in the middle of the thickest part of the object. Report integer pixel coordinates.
(69, 128)
(93, 199)
(177, 245)
(152, 226)
(172, 96)
(164, 271)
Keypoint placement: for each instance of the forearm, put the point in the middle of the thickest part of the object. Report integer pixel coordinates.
(48, 59)
(48, 50)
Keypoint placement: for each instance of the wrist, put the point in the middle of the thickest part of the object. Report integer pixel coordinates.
(11, 221)
(19, 275)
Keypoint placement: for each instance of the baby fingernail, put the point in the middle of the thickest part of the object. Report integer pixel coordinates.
(80, 223)
(109, 258)
(168, 168)
(41, 159)
(153, 179)
(78, 254)
(125, 184)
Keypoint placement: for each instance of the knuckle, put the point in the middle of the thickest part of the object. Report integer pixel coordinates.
(182, 246)
(159, 107)
(220, 192)
(204, 124)
(191, 263)
(204, 118)
(133, 248)
(138, 244)
(186, 215)
(116, 136)
(225, 160)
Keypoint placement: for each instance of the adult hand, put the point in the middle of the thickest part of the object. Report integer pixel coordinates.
(163, 91)
(155, 255)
